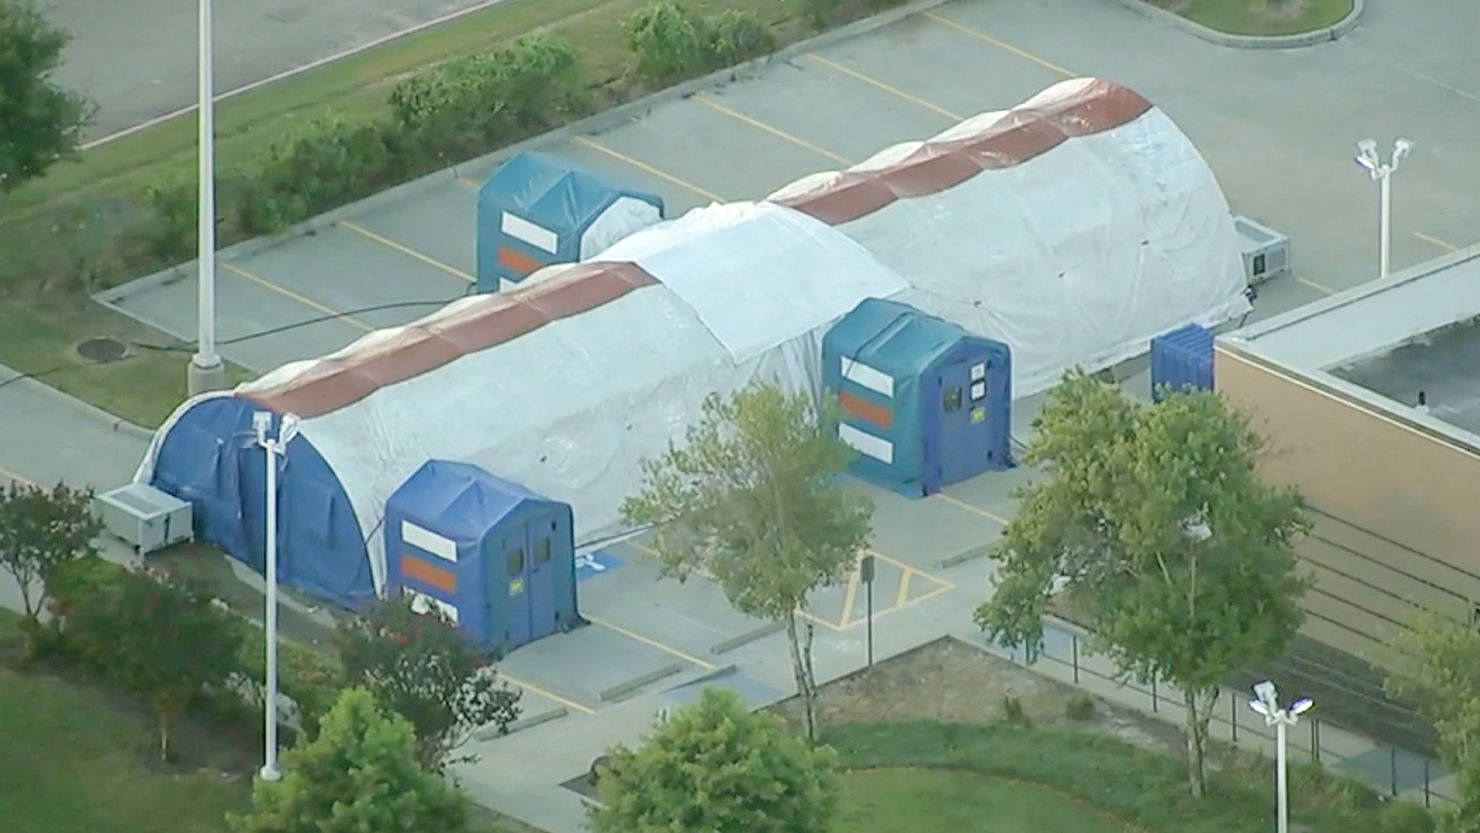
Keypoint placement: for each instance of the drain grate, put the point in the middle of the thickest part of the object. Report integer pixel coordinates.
(102, 349)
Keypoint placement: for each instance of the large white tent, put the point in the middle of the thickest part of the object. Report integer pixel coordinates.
(1074, 229)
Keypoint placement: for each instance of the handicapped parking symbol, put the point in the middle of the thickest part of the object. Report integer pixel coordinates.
(595, 563)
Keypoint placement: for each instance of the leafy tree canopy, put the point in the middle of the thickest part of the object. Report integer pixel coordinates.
(40, 122)
(40, 530)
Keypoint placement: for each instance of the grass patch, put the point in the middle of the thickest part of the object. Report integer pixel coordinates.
(90, 224)
(950, 801)
(1261, 17)
(1137, 788)
(71, 763)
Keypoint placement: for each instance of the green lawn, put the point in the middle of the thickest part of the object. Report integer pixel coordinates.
(953, 801)
(1048, 779)
(72, 764)
(1256, 17)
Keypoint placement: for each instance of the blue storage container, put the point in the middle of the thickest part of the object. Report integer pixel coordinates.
(496, 558)
(1181, 360)
(538, 209)
(924, 402)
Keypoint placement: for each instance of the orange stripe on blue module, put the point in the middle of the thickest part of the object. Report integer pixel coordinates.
(518, 261)
(856, 406)
(428, 574)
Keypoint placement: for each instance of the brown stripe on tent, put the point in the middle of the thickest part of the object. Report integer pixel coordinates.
(428, 574)
(518, 261)
(333, 383)
(882, 416)
(1017, 137)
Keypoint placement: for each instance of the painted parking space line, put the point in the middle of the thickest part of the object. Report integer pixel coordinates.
(920, 599)
(850, 597)
(904, 588)
(406, 250)
(10, 474)
(564, 701)
(886, 87)
(1446, 246)
(1000, 44)
(288, 293)
(902, 595)
(646, 168)
(810, 617)
(708, 101)
(649, 641)
(971, 507)
(1319, 287)
(910, 568)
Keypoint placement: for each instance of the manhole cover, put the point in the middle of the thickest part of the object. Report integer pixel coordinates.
(102, 349)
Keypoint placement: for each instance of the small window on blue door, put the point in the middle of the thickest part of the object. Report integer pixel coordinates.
(515, 560)
(541, 552)
(952, 399)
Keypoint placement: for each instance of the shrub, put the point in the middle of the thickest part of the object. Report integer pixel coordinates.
(175, 208)
(819, 12)
(1080, 707)
(312, 680)
(466, 105)
(1012, 710)
(327, 162)
(671, 42)
(736, 36)
(1405, 817)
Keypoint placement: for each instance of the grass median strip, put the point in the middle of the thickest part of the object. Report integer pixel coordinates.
(1261, 17)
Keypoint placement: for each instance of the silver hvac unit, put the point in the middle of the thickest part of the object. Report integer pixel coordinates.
(1266, 251)
(145, 517)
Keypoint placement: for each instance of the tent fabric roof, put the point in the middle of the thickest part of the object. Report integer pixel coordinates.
(895, 338)
(551, 191)
(465, 500)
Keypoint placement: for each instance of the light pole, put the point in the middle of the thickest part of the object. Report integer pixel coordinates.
(1383, 173)
(1267, 702)
(287, 430)
(866, 574)
(207, 371)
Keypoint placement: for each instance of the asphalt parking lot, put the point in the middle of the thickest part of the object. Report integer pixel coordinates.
(1276, 126)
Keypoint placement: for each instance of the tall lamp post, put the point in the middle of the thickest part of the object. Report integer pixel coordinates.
(274, 448)
(1267, 702)
(1383, 173)
(206, 371)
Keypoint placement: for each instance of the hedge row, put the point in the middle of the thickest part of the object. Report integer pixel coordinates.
(441, 115)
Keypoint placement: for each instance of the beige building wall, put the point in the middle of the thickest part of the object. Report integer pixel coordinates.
(1396, 506)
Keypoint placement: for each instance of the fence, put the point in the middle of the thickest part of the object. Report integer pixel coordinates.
(1390, 769)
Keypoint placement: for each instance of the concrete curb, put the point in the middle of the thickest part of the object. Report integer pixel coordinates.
(728, 645)
(117, 424)
(596, 123)
(623, 689)
(968, 554)
(1323, 35)
(529, 722)
(708, 676)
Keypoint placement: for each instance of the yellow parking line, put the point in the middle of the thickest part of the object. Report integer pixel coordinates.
(892, 90)
(1003, 45)
(643, 166)
(1448, 247)
(818, 620)
(850, 595)
(709, 102)
(406, 250)
(17, 477)
(904, 587)
(546, 694)
(972, 508)
(1317, 286)
(288, 293)
(649, 641)
(909, 568)
(925, 597)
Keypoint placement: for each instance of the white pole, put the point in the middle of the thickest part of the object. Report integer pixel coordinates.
(1280, 785)
(205, 355)
(1387, 217)
(270, 768)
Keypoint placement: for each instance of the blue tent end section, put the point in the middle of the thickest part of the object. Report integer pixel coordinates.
(532, 212)
(210, 458)
(1182, 360)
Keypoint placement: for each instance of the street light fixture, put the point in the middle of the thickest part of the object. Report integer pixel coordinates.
(1267, 703)
(1367, 158)
(274, 448)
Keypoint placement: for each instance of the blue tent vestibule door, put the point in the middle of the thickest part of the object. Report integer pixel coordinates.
(960, 444)
(522, 582)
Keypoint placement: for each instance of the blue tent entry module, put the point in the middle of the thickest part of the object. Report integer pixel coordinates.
(496, 558)
(1182, 360)
(538, 209)
(924, 402)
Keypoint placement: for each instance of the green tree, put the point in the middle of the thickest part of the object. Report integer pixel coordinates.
(40, 530)
(754, 501)
(1156, 526)
(164, 638)
(418, 665)
(360, 774)
(717, 767)
(40, 122)
(1441, 678)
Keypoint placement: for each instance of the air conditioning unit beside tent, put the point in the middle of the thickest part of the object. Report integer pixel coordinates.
(145, 517)
(1266, 251)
